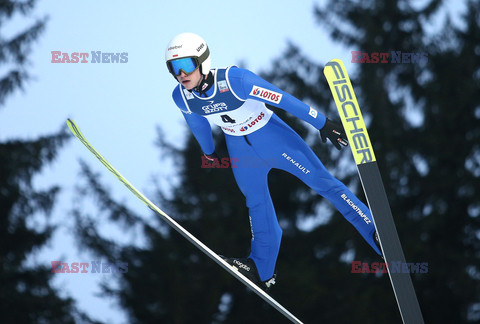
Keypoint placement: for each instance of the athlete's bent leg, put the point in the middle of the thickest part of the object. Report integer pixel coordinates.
(251, 177)
(293, 155)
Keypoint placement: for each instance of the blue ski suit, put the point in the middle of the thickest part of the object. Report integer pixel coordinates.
(259, 140)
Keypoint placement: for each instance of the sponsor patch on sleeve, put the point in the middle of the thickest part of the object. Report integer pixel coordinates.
(266, 94)
(313, 112)
(222, 86)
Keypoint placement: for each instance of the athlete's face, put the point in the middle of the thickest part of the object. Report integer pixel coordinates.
(190, 81)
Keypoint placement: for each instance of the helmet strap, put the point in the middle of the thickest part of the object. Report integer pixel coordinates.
(205, 84)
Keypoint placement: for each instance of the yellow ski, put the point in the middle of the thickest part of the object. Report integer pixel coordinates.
(170, 221)
(372, 183)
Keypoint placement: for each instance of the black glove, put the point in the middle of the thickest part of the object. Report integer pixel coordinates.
(335, 133)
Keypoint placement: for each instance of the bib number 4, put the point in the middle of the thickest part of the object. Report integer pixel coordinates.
(227, 119)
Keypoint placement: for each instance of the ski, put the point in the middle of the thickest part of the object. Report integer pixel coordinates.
(170, 221)
(372, 183)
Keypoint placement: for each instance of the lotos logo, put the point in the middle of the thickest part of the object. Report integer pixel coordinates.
(266, 94)
(259, 118)
(244, 128)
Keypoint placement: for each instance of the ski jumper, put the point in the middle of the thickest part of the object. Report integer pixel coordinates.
(260, 141)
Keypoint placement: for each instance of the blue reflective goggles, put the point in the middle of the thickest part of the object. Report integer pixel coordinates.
(186, 65)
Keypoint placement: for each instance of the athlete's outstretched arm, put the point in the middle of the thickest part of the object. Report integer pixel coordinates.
(199, 125)
(202, 131)
(248, 85)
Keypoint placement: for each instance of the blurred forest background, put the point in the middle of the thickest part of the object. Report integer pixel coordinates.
(430, 164)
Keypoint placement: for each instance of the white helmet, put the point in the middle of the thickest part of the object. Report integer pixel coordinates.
(188, 45)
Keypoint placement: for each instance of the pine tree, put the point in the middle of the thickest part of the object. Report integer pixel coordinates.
(26, 293)
(429, 167)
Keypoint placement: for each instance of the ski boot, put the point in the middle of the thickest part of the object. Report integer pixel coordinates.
(247, 267)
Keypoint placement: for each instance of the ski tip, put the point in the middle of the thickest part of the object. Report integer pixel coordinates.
(70, 123)
(72, 126)
(332, 63)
